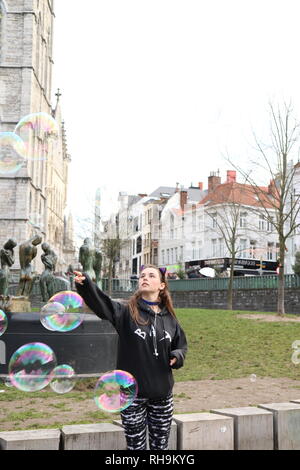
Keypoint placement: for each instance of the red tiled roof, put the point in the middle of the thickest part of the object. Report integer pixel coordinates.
(240, 194)
(232, 192)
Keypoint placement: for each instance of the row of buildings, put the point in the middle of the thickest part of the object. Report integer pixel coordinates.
(185, 229)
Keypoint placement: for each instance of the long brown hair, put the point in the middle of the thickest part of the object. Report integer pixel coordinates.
(164, 298)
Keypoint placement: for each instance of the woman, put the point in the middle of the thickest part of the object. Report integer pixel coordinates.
(151, 343)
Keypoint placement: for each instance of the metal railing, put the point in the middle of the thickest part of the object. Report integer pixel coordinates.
(120, 285)
(241, 282)
(251, 282)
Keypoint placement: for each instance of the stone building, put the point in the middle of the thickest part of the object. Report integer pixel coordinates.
(33, 198)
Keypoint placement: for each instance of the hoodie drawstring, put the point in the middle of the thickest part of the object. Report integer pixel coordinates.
(154, 337)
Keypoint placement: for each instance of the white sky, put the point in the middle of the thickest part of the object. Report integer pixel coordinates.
(155, 92)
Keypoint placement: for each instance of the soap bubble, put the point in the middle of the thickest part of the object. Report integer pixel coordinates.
(295, 355)
(68, 298)
(296, 344)
(31, 367)
(223, 429)
(53, 316)
(57, 314)
(12, 152)
(63, 379)
(3, 322)
(253, 378)
(115, 390)
(42, 123)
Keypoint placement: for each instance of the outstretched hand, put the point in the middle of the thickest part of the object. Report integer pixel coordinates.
(79, 277)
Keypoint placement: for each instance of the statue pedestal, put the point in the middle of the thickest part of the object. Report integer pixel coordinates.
(19, 305)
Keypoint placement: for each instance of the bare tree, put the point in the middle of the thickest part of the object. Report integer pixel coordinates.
(226, 219)
(276, 159)
(226, 208)
(110, 248)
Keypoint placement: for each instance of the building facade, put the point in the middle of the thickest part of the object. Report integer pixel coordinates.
(35, 195)
(293, 208)
(230, 223)
(187, 229)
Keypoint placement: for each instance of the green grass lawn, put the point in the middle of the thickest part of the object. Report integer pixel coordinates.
(222, 346)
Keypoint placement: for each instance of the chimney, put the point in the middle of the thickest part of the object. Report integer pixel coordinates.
(231, 176)
(272, 190)
(183, 198)
(213, 181)
(200, 186)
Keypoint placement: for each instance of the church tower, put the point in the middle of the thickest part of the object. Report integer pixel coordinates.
(33, 198)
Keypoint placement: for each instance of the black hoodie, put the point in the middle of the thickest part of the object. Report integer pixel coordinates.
(143, 350)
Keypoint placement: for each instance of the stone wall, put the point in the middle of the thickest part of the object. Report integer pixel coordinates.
(263, 300)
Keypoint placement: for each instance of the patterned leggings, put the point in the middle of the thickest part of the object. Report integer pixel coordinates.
(157, 414)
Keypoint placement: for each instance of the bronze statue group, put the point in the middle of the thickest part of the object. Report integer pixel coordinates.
(89, 257)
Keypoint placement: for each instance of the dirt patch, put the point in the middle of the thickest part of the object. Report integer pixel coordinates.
(189, 397)
(261, 316)
(249, 391)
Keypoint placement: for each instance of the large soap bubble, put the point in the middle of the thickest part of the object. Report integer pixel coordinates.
(12, 153)
(31, 367)
(57, 314)
(115, 390)
(63, 379)
(68, 298)
(45, 127)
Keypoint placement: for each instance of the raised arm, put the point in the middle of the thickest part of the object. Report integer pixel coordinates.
(102, 305)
